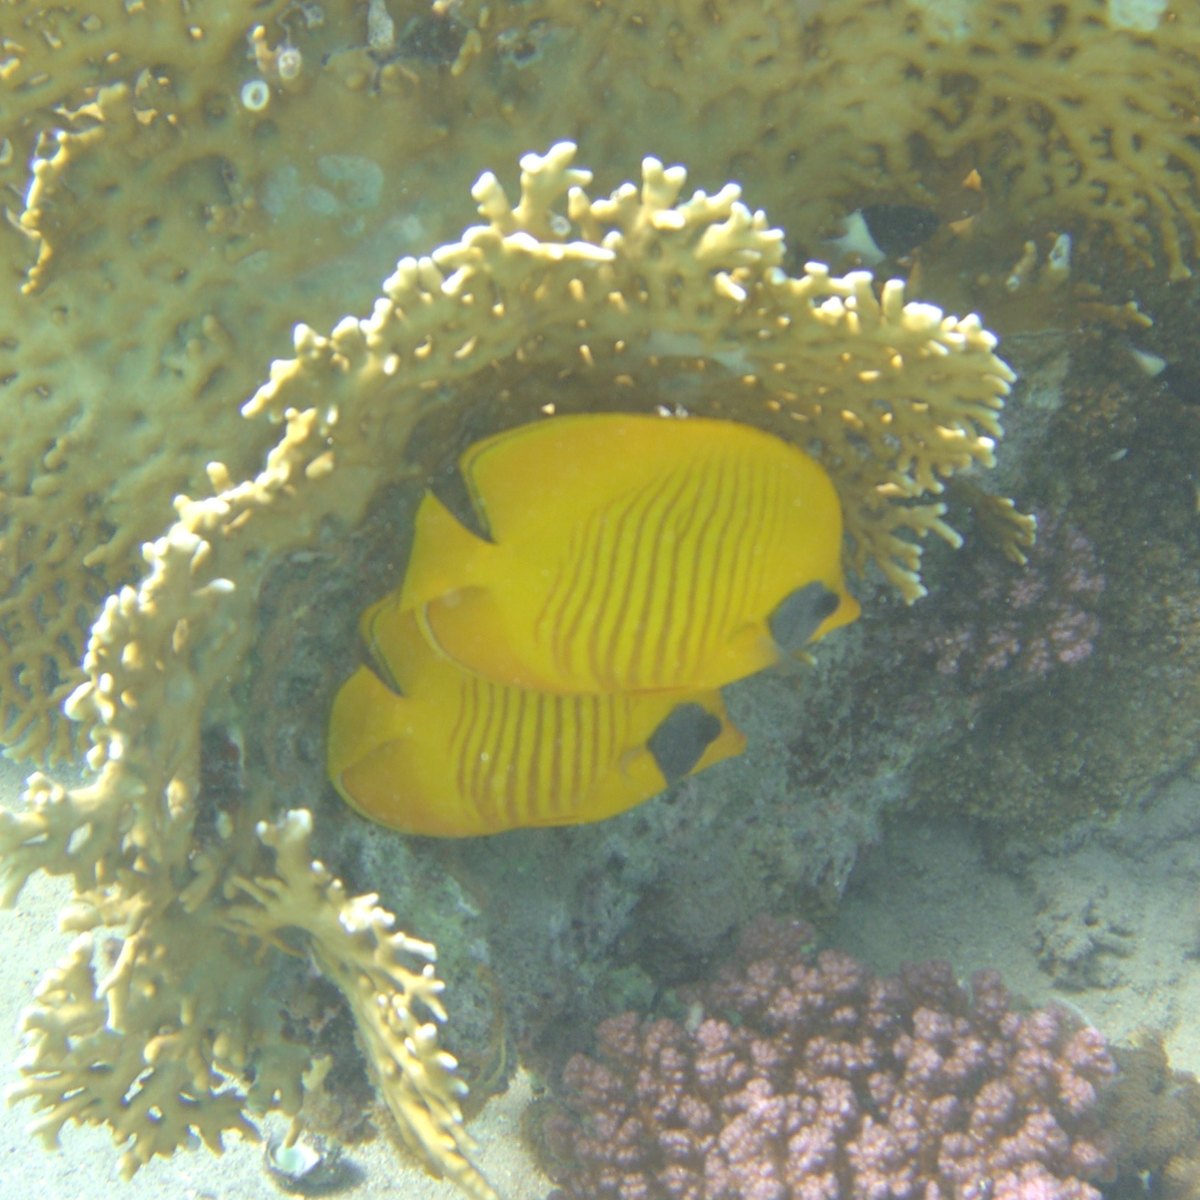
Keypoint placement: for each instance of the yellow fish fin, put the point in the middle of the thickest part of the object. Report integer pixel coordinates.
(794, 621)
(807, 614)
(561, 461)
(681, 740)
(364, 717)
(801, 618)
(445, 555)
(694, 735)
(379, 627)
(847, 612)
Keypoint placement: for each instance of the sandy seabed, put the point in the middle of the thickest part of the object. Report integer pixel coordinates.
(1109, 926)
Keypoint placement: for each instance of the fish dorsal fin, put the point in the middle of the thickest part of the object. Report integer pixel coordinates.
(547, 469)
(449, 486)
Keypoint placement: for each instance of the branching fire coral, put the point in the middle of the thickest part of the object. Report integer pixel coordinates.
(191, 169)
(177, 1013)
(639, 299)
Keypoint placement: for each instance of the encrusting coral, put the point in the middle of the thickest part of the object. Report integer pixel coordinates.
(179, 164)
(637, 300)
(1074, 116)
(1155, 1113)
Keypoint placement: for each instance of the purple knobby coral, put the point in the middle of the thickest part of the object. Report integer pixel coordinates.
(1026, 621)
(805, 1077)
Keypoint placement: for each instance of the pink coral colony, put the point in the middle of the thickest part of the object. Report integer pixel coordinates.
(808, 1078)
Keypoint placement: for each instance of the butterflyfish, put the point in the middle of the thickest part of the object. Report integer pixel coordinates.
(438, 751)
(625, 553)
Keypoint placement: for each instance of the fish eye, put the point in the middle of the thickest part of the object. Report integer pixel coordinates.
(681, 739)
(799, 615)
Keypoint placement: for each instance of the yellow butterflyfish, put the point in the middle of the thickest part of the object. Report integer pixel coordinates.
(450, 754)
(625, 553)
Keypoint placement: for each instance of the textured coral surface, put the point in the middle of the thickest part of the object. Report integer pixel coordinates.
(170, 229)
(805, 1076)
(184, 183)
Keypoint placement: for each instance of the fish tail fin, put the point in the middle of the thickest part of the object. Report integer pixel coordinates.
(366, 714)
(446, 556)
(729, 742)
(392, 639)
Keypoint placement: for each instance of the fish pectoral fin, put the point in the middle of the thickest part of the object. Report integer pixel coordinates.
(473, 628)
(445, 555)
